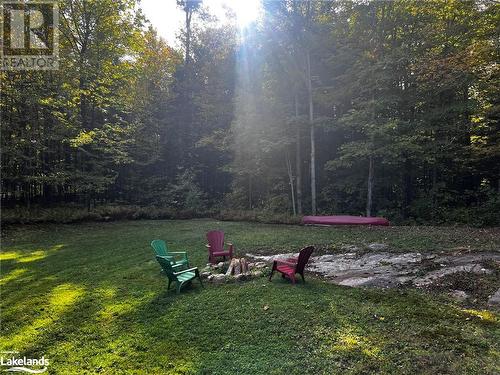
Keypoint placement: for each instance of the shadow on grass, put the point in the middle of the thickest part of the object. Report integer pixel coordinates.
(106, 309)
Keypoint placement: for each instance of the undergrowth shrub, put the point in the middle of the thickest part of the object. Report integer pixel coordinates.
(71, 214)
(258, 216)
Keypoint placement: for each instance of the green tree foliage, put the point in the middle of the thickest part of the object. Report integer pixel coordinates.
(397, 109)
(404, 126)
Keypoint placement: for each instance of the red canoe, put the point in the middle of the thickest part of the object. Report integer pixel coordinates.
(344, 220)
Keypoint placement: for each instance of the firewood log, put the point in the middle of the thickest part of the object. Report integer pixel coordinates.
(230, 268)
(237, 267)
(244, 265)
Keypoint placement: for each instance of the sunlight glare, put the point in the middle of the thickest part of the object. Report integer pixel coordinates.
(246, 11)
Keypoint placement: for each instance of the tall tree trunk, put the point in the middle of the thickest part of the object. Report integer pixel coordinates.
(407, 187)
(370, 188)
(434, 182)
(189, 14)
(83, 104)
(27, 195)
(290, 179)
(313, 141)
(298, 159)
(498, 181)
(250, 191)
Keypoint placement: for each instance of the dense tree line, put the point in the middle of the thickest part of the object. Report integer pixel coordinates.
(359, 107)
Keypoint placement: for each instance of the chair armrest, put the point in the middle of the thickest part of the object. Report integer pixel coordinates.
(188, 270)
(171, 261)
(183, 253)
(169, 258)
(286, 263)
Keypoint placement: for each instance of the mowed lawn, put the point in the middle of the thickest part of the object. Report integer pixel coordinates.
(91, 299)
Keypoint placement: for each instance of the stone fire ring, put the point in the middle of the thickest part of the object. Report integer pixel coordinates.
(236, 269)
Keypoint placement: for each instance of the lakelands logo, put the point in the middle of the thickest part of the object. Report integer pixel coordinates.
(23, 364)
(29, 35)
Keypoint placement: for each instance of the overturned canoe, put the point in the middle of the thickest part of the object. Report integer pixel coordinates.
(344, 220)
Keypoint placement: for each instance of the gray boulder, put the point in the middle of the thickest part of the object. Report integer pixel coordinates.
(377, 246)
(494, 300)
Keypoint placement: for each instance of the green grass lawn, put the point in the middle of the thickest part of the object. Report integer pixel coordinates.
(91, 298)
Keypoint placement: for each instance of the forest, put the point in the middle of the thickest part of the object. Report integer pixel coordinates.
(376, 108)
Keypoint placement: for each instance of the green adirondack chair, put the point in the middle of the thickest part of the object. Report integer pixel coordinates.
(180, 278)
(160, 248)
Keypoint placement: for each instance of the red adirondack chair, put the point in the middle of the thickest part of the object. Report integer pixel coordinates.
(289, 267)
(215, 246)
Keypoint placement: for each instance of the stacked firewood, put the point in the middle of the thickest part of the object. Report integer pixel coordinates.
(237, 267)
(237, 270)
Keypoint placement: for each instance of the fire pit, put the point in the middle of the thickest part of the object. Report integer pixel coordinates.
(237, 269)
